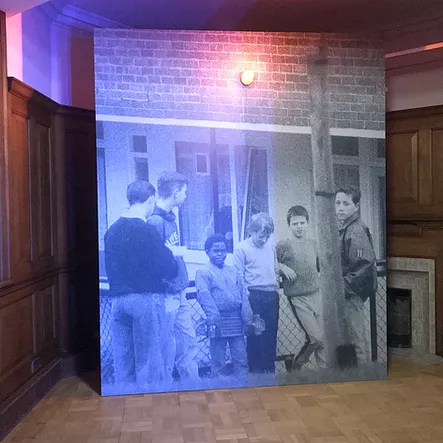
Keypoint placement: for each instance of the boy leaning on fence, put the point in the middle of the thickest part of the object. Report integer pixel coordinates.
(298, 262)
(224, 300)
(256, 262)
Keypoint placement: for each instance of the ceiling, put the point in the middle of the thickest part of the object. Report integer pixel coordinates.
(420, 20)
(261, 15)
(257, 15)
(12, 7)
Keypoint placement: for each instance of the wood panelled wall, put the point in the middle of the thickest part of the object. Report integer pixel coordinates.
(415, 192)
(415, 159)
(48, 245)
(4, 264)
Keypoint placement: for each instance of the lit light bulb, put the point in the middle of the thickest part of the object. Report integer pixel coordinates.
(247, 77)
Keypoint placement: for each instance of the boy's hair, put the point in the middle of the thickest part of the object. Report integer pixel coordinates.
(297, 211)
(214, 238)
(352, 191)
(170, 182)
(139, 191)
(261, 222)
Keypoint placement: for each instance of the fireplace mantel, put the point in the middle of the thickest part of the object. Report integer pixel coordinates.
(422, 240)
(414, 156)
(418, 276)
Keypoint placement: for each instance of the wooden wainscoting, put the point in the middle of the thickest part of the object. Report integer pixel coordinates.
(28, 328)
(4, 234)
(16, 341)
(42, 244)
(415, 192)
(415, 164)
(422, 240)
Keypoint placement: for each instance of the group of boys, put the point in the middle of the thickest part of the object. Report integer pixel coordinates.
(152, 328)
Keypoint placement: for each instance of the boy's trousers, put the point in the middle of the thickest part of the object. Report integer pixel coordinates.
(355, 316)
(181, 340)
(137, 324)
(262, 349)
(308, 311)
(237, 348)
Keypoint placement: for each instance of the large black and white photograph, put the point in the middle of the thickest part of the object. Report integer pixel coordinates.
(241, 205)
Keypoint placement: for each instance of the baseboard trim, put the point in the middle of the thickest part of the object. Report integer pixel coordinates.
(24, 399)
(69, 366)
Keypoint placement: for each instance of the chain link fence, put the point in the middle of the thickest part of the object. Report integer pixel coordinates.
(106, 352)
(290, 340)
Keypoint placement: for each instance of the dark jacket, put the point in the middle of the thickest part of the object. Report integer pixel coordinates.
(136, 259)
(166, 226)
(358, 259)
(224, 299)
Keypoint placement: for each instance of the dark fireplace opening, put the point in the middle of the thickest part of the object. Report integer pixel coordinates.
(399, 318)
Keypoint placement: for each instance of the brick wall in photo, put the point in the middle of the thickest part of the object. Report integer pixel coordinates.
(195, 75)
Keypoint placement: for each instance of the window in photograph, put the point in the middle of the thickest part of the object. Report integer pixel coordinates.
(202, 163)
(223, 211)
(346, 175)
(141, 168)
(235, 188)
(255, 196)
(101, 196)
(140, 155)
(139, 144)
(196, 214)
(381, 148)
(379, 211)
(100, 133)
(347, 146)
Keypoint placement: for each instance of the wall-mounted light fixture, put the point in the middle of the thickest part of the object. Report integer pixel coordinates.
(247, 77)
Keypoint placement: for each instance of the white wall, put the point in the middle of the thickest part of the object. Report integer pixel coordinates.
(54, 59)
(414, 90)
(14, 46)
(36, 47)
(72, 67)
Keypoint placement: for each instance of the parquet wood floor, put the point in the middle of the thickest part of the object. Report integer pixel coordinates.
(406, 408)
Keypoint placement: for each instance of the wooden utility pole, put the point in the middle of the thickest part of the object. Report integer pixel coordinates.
(332, 286)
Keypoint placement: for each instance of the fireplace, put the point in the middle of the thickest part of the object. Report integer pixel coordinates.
(399, 318)
(411, 305)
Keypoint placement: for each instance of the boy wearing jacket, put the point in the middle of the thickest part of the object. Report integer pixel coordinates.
(224, 299)
(358, 265)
